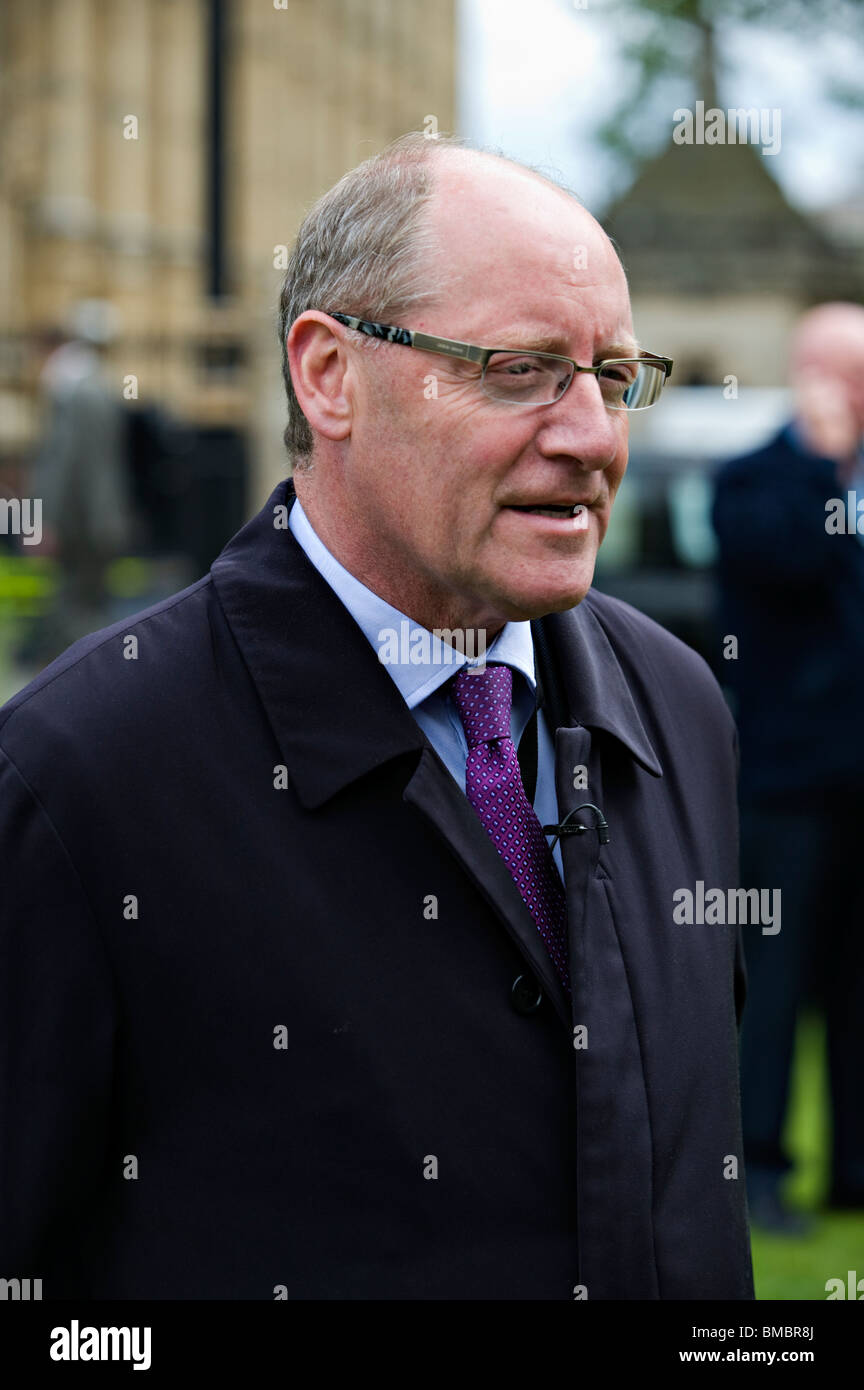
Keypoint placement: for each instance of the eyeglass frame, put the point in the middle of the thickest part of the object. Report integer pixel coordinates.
(471, 352)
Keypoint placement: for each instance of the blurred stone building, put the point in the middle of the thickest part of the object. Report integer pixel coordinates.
(721, 265)
(159, 154)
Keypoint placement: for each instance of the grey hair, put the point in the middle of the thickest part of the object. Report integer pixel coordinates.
(365, 248)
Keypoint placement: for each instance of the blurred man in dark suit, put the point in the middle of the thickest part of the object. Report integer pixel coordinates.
(792, 582)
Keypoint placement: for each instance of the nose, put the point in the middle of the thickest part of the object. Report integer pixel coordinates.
(580, 426)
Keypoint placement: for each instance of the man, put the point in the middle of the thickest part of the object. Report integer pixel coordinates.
(792, 587)
(81, 472)
(303, 1005)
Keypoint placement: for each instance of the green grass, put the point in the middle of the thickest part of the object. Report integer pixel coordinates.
(787, 1268)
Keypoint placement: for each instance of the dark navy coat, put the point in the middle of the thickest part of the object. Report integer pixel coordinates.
(259, 1027)
(792, 592)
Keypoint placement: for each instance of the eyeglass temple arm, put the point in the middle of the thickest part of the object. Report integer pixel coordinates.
(667, 363)
(451, 348)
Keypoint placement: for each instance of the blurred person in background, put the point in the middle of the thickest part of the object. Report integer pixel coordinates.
(81, 472)
(792, 593)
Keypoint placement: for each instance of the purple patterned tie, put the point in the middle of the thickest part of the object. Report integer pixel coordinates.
(493, 784)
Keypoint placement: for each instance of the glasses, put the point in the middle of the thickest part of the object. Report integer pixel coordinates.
(536, 378)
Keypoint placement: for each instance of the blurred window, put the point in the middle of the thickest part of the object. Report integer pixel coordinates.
(621, 548)
(660, 520)
(689, 497)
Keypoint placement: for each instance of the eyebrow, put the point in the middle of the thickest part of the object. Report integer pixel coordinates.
(553, 343)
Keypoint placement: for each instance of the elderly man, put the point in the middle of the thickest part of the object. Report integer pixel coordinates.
(301, 1002)
(792, 582)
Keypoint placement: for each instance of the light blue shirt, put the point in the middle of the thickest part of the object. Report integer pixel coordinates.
(420, 665)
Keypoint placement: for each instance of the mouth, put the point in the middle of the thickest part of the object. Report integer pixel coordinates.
(574, 514)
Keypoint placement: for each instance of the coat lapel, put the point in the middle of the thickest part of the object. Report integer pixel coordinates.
(595, 690)
(435, 794)
(613, 1121)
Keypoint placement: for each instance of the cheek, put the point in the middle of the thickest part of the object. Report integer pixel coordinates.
(619, 467)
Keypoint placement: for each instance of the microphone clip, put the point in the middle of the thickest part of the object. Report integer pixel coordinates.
(570, 827)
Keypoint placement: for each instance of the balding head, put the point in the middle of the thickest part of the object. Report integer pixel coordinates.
(484, 211)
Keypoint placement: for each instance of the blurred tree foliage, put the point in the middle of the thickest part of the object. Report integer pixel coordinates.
(665, 40)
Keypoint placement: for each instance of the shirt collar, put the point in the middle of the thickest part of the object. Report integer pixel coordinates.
(418, 661)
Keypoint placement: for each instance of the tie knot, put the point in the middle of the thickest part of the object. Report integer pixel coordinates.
(484, 699)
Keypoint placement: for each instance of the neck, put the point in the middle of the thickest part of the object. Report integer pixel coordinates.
(470, 629)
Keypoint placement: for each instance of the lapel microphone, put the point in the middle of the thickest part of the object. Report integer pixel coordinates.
(570, 827)
(552, 696)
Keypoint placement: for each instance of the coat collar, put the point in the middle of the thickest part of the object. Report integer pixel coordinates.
(595, 686)
(336, 715)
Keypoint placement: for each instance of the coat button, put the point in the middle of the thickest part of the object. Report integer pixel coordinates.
(526, 995)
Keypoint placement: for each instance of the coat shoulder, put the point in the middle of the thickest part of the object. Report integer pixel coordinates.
(744, 467)
(118, 674)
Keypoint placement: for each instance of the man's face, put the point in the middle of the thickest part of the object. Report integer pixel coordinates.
(827, 371)
(436, 471)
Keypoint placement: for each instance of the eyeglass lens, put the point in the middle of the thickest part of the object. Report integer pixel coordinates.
(530, 379)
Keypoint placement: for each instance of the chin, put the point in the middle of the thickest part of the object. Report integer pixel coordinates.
(525, 606)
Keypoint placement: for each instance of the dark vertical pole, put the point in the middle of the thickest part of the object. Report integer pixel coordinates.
(217, 274)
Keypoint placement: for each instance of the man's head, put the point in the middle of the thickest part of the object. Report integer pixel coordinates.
(827, 375)
(410, 473)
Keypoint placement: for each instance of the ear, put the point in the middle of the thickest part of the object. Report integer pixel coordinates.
(321, 373)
